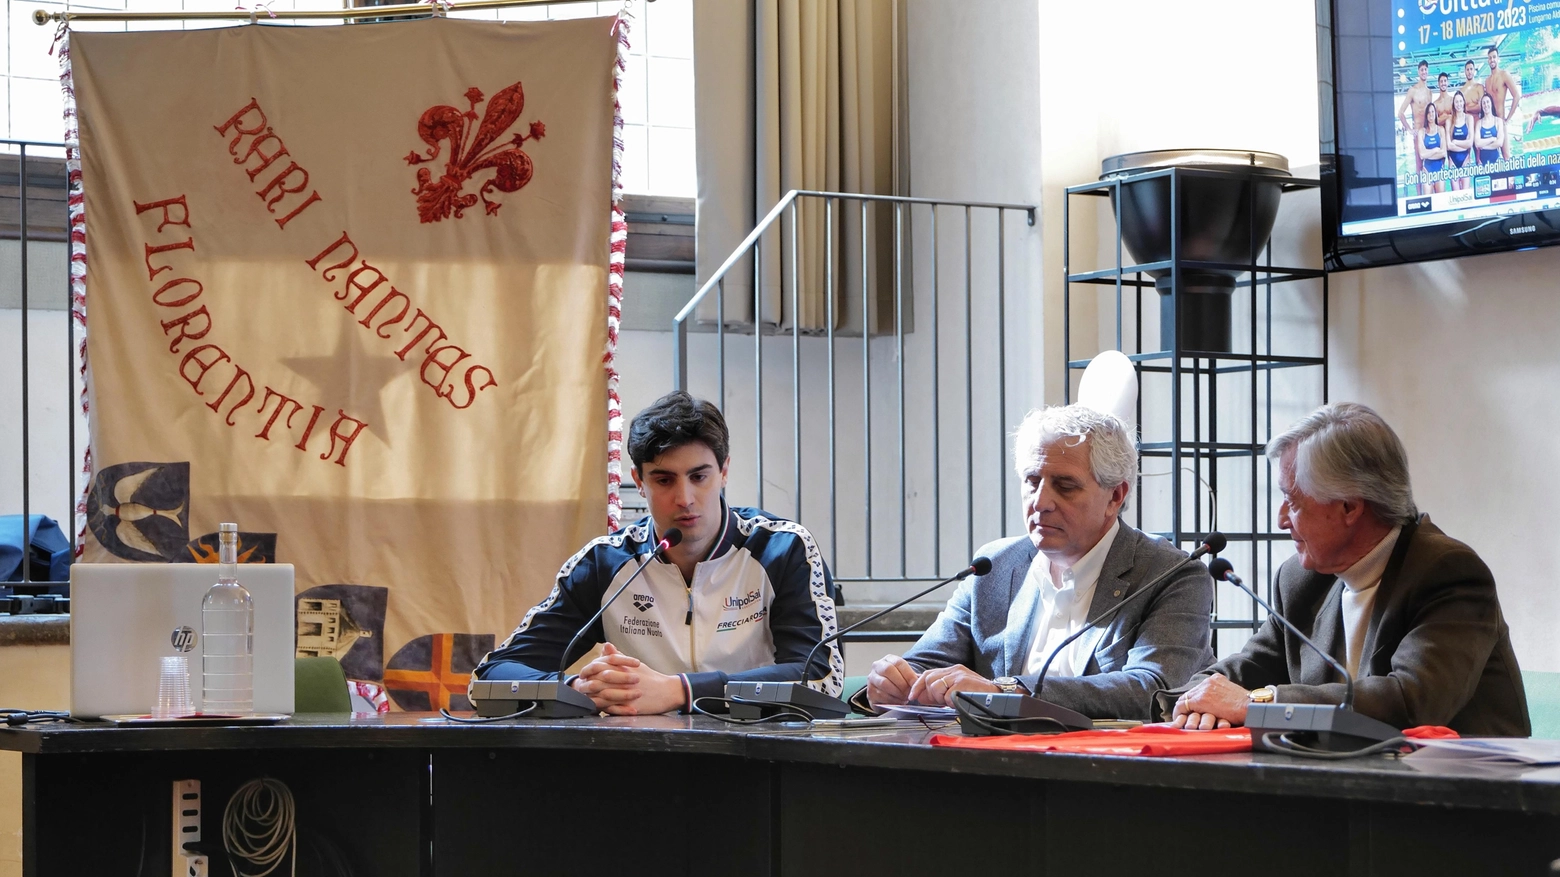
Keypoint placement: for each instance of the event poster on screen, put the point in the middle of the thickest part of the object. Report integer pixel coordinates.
(1477, 106)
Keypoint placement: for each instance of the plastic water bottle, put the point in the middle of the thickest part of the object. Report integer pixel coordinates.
(227, 620)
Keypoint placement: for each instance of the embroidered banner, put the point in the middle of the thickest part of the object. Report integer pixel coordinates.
(349, 287)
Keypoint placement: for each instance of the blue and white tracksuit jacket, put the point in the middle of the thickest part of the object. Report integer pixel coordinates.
(757, 605)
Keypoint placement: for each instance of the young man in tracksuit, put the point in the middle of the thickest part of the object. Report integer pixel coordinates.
(744, 595)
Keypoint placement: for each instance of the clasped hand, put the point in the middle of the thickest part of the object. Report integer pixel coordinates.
(621, 685)
(1215, 702)
(893, 681)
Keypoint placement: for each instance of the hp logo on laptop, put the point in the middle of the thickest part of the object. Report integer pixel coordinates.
(183, 638)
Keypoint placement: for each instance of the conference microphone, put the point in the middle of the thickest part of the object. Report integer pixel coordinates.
(1336, 727)
(754, 700)
(977, 709)
(554, 698)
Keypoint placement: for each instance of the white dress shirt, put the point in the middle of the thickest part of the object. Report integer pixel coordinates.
(1359, 596)
(1064, 609)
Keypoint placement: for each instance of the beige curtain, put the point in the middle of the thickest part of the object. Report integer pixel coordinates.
(798, 94)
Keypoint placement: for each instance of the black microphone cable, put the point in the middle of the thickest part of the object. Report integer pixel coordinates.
(789, 713)
(1223, 571)
(1006, 726)
(16, 718)
(671, 537)
(479, 720)
(979, 567)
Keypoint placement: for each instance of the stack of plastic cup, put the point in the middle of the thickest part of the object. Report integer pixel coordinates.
(173, 688)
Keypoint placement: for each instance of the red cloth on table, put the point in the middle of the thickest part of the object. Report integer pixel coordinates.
(1159, 740)
(1152, 740)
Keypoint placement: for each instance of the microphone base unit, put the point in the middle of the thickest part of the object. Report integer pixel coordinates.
(756, 700)
(983, 714)
(553, 699)
(1317, 725)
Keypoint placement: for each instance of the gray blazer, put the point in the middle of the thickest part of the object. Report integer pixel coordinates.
(1436, 650)
(1156, 642)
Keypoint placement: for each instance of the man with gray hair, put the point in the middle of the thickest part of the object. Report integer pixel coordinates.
(1411, 612)
(1079, 561)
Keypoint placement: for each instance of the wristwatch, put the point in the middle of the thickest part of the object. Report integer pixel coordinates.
(1009, 685)
(1265, 694)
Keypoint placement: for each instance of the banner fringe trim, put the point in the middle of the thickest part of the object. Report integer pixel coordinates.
(76, 209)
(617, 243)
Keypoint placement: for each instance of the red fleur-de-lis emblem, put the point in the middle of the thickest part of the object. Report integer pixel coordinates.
(444, 197)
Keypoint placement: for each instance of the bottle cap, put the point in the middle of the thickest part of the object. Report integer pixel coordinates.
(227, 528)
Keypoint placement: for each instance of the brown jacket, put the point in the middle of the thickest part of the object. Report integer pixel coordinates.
(1436, 651)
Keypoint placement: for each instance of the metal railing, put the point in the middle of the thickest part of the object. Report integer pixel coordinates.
(39, 181)
(852, 430)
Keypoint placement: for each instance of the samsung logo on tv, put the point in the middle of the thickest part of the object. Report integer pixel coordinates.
(1522, 229)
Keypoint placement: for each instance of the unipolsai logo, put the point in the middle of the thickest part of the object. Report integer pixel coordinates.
(183, 638)
(747, 599)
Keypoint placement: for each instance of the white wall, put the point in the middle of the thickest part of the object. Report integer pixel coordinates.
(1459, 355)
(973, 121)
(1135, 93)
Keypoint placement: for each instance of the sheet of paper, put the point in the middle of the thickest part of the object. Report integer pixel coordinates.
(915, 710)
(1505, 750)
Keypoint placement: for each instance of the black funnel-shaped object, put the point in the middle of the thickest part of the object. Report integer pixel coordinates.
(1225, 218)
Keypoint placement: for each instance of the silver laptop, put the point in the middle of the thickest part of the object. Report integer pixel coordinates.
(125, 616)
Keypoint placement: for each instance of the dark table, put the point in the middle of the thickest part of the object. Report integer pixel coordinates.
(401, 795)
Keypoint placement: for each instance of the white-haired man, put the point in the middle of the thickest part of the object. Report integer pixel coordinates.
(1410, 611)
(1077, 562)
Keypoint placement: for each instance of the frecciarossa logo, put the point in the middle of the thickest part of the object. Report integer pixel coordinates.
(731, 624)
(744, 601)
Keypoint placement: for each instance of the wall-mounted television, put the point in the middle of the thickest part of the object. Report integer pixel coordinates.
(1440, 128)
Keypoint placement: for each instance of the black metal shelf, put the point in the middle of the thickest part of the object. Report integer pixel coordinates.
(1104, 188)
(1262, 362)
(1110, 276)
(1199, 380)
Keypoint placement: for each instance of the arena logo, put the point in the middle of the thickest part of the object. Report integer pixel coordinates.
(740, 602)
(644, 602)
(1522, 229)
